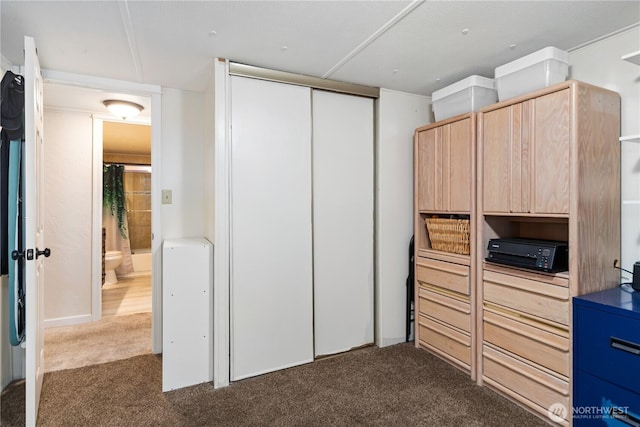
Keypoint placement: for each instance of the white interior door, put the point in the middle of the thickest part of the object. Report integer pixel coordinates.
(271, 249)
(343, 184)
(33, 230)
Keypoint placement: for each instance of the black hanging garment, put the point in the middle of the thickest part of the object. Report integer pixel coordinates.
(12, 122)
(410, 313)
(11, 189)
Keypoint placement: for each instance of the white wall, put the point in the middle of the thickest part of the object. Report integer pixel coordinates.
(599, 63)
(67, 197)
(183, 163)
(398, 115)
(68, 180)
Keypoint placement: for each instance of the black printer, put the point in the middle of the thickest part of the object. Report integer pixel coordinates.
(541, 255)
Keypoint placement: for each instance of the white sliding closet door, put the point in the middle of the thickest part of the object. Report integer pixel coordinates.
(271, 256)
(343, 184)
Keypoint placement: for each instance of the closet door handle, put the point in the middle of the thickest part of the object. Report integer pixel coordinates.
(626, 346)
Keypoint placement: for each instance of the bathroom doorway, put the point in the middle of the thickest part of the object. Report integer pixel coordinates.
(127, 262)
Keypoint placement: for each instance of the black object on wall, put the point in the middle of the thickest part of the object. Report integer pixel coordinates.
(4, 205)
(12, 122)
(410, 292)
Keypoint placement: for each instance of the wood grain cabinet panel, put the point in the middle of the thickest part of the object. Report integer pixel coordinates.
(453, 277)
(445, 341)
(526, 156)
(551, 154)
(526, 383)
(444, 164)
(445, 308)
(528, 340)
(540, 299)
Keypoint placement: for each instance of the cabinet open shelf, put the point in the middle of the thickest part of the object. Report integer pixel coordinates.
(542, 228)
(427, 248)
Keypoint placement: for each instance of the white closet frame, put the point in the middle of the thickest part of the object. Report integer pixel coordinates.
(223, 70)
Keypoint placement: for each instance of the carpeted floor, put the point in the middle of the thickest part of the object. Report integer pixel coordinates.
(393, 386)
(107, 340)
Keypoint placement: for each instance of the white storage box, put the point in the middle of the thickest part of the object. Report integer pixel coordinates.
(467, 95)
(540, 69)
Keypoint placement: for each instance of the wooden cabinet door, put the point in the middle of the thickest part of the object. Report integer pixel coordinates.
(526, 156)
(520, 130)
(507, 138)
(444, 168)
(426, 162)
(496, 158)
(460, 170)
(551, 153)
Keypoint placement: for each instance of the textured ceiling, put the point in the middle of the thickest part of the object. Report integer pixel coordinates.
(416, 46)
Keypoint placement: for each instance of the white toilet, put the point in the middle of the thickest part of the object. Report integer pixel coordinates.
(112, 260)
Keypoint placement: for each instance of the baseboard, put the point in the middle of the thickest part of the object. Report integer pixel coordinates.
(67, 321)
(385, 342)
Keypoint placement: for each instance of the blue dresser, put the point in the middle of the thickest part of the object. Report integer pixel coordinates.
(606, 359)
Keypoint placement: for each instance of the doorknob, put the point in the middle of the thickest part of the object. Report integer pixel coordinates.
(46, 253)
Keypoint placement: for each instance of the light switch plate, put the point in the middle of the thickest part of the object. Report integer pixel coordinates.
(166, 197)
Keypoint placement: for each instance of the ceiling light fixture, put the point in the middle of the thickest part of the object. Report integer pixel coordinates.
(124, 109)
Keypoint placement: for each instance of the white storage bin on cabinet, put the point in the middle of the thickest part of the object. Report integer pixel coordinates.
(538, 70)
(187, 321)
(462, 97)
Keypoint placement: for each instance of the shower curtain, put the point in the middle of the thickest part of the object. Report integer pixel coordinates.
(114, 216)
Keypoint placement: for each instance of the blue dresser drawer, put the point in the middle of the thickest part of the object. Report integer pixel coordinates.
(607, 345)
(600, 403)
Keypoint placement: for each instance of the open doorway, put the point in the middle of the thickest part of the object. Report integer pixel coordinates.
(76, 118)
(127, 260)
(122, 327)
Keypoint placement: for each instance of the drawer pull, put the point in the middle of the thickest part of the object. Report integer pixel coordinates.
(623, 345)
(626, 418)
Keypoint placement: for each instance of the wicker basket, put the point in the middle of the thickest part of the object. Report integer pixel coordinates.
(449, 235)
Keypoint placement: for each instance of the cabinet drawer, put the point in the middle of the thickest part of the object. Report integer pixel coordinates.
(528, 341)
(446, 275)
(529, 385)
(615, 406)
(449, 310)
(601, 336)
(540, 299)
(433, 334)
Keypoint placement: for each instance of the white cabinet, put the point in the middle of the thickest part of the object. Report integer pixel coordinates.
(187, 321)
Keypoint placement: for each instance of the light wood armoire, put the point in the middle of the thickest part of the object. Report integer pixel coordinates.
(444, 173)
(547, 167)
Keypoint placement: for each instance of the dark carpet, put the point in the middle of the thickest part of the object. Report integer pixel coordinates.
(393, 386)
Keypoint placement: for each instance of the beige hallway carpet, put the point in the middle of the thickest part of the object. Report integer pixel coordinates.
(107, 340)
